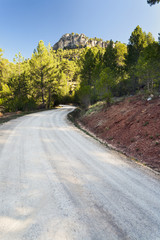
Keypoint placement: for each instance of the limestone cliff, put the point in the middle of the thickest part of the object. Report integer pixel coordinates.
(71, 41)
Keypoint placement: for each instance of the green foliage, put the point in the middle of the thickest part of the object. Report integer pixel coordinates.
(43, 72)
(146, 123)
(101, 71)
(87, 66)
(150, 39)
(95, 107)
(18, 96)
(2, 68)
(152, 2)
(90, 68)
(147, 68)
(48, 78)
(95, 39)
(138, 41)
(105, 84)
(121, 51)
(82, 75)
(109, 57)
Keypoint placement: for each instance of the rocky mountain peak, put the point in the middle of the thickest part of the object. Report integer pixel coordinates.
(72, 41)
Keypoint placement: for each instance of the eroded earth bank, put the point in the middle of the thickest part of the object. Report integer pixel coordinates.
(131, 126)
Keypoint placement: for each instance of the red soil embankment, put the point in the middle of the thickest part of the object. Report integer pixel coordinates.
(131, 126)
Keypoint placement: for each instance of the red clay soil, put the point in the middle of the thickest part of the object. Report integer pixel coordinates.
(131, 126)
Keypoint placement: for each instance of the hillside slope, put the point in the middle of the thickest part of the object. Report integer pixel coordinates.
(131, 126)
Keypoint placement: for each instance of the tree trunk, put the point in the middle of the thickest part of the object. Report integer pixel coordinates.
(49, 98)
(42, 88)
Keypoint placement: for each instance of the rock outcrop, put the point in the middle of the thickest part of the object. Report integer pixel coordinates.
(72, 41)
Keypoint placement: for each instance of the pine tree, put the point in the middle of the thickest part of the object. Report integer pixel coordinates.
(147, 68)
(109, 57)
(18, 60)
(138, 41)
(43, 72)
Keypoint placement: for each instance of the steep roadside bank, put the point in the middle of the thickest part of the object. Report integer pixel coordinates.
(131, 126)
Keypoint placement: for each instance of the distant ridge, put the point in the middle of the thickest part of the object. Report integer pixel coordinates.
(73, 41)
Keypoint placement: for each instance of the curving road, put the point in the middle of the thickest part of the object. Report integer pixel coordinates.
(56, 183)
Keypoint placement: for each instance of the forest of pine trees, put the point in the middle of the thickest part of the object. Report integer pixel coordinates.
(81, 76)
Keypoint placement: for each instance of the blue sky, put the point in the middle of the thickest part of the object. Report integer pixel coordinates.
(23, 23)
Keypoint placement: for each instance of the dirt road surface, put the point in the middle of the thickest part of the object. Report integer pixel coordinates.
(56, 183)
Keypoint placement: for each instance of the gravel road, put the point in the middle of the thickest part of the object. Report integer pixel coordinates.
(56, 183)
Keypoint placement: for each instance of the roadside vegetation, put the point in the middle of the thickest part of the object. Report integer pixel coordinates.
(81, 76)
(120, 69)
(97, 80)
